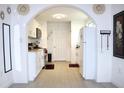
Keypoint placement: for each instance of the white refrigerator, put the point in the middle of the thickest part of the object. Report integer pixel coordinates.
(88, 52)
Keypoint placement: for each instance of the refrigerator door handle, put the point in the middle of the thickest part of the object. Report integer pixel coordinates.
(83, 42)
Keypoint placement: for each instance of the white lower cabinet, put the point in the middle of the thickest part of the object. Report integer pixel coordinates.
(35, 63)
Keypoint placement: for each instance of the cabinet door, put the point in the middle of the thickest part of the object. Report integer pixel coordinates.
(39, 57)
(37, 64)
(42, 58)
(32, 65)
(32, 34)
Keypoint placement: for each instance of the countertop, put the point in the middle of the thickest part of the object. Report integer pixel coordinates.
(35, 50)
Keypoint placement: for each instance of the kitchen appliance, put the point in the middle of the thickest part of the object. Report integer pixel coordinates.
(88, 50)
(38, 33)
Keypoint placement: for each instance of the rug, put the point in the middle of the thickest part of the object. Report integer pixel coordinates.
(49, 66)
(73, 65)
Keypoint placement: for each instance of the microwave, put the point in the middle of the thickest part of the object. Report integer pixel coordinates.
(38, 33)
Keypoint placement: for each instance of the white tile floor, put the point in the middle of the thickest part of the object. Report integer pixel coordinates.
(62, 77)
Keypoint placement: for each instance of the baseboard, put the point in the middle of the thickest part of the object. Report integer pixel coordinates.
(6, 85)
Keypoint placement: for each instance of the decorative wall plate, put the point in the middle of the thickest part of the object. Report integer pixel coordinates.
(99, 8)
(8, 10)
(23, 9)
(2, 15)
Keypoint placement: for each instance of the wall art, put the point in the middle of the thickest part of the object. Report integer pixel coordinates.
(118, 35)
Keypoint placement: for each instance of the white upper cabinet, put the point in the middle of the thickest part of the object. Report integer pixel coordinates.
(32, 34)
(33, 28)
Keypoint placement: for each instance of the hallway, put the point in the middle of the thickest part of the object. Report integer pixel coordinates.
(62, 77)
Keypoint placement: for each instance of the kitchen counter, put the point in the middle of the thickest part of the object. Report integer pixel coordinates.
(35, 62)
(35, 49)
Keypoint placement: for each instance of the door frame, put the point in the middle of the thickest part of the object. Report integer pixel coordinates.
(41, 10)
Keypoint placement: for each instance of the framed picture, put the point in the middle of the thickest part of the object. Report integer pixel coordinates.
(118, 35)
(7, 47)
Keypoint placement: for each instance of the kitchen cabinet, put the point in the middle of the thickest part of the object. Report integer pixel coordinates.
(32, 34)
(36, 34)
(35, 63)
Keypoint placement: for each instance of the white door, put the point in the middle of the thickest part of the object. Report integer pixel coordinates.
(59, 42)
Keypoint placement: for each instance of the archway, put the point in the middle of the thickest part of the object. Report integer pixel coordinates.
(70, 6)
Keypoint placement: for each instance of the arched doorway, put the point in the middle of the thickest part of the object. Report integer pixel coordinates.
(21, 75)
(91, 22)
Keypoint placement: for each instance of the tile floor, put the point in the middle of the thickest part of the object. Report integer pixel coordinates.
(62, 77)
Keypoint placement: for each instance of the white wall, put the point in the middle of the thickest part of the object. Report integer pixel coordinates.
(103, 22)
(75, 29)
(5, 78)
(117, 63)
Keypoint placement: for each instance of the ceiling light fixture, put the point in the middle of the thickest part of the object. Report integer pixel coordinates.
(59, 16)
